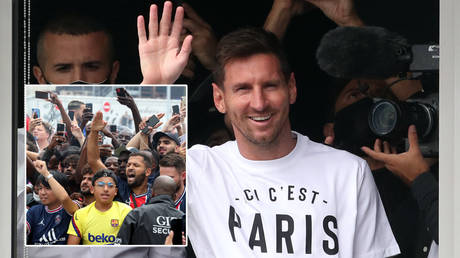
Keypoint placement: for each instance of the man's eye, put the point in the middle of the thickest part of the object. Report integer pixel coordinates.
(91, 66)
(63, 68)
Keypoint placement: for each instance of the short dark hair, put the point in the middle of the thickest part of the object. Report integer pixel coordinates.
(70, 158)
(104, 173)
(86, 169)
(76, 24)
(146, 158)
(173, 160)
(74, 105)
(245, 43)
(60, 178)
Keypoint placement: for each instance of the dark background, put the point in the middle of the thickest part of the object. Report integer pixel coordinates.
(418, 21)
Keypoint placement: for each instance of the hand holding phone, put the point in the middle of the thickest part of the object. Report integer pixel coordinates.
(42, 94)
(153, 120)
(175, 109)
(35, 113)
(177, 226)
(121, 92)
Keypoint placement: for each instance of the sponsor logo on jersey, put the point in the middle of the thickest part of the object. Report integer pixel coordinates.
(101, 238)
(57, 220)
(41, 222)
(114, 223)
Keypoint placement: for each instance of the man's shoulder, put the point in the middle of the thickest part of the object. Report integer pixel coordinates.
(199, 148)
(199, 153)
(321, 149)
(36, 208)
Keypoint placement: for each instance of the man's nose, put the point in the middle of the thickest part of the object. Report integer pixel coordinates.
(78, 75)
(258, 100)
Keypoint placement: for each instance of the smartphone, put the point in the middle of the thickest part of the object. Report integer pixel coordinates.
(35, 113)
(175, 109)
(71, 115)
(177, 226)
(101, 138)
(89, 107)
(42, 95)
(121, 92)
(153, 120)
(113, 128)
(60, 129)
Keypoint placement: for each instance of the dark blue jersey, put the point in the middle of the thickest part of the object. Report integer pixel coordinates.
(180, 203)
(47, 227)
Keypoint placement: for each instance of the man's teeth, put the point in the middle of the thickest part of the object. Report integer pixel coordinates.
(260, 118)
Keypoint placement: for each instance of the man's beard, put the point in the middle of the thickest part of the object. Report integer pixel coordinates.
(138, 180)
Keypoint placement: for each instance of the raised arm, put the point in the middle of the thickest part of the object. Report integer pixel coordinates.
(93, 154)
(131, 104)
(281, 14)
(342, 12)
(65, 117)
(162, 59)
(57, 188)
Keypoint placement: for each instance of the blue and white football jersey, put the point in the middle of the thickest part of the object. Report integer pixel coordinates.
(47, 227)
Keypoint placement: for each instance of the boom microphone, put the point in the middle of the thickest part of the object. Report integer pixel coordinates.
(372, 53)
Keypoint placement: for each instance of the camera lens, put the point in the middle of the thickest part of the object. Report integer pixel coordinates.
(383, 118)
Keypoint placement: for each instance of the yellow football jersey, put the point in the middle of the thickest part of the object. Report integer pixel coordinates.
(98, 228)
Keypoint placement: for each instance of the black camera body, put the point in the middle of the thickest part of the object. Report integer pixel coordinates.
(389, 120)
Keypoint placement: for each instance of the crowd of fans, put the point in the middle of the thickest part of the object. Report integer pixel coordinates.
(79, 190)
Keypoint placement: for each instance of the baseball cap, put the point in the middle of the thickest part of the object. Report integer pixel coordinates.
(160, 134)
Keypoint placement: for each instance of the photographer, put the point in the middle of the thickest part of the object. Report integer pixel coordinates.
(411, 205)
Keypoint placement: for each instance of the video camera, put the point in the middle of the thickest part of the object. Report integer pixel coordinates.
(376, 53)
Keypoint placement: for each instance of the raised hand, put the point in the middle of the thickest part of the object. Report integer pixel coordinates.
(204, 42)
(40, 166)
(172, 123)
(34, 122)
(127, 101)
(98, 124)
(162, 59)
(53, 98)
(342, 12)
(143, 124)
(407, 165)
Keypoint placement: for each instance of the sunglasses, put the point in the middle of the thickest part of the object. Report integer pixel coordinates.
(102, 184)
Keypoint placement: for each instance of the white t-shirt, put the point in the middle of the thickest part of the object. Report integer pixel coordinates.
(314, 202)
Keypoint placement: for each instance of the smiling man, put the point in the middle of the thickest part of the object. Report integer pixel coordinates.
(165, 143)
(273, 192)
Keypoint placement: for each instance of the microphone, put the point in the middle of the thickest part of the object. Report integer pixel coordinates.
(372, 53)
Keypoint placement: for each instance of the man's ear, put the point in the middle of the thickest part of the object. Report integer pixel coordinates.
(328, 129)
(218, 95)
(184, 176)
(39, 75)
(148, 171)
(115, 68)
(292, 89)
(91, 188)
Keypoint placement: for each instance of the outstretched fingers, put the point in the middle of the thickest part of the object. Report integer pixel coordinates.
(141, 30)
(177, 25)
(185, 50)
(165, 22)
(153, 21)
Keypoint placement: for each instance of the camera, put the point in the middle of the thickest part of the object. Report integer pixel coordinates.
(389, 120)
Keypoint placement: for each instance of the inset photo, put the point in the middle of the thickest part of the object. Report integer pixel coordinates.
(105, 165)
